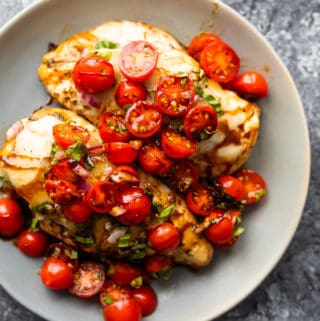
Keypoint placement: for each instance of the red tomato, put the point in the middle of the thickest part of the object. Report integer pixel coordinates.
(254, 185)
(138, 60)
(88, 280)
(143, 119)
(184, 175)
(129, 92)
(251, 85)
(63, 170)
(32, 243)
(61, 191)
(232, 186)
(78, 211)
(56, 274)
(112, 128)
(200, 200)
(11, 217)
(200, 122)
(176, 145)
(159, 266)
(66, 135)
(102, 196)
(147, 298)
(93, 74)
(120, 152)
(123, 273)
(124, 310)
(124, 175)
(220, 62)
(136, 205)
(153, 159)
(175, 95)
(199, 42)
(164, 237)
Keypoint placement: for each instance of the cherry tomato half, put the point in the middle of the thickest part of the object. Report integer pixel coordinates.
(138, 60)
(124, 175)
(124, 310)
(232, 186)
(159, 267)
(251, 85)
(56, 274)
(120, 152)
(254, 185)
(175, 95)
(164, 237)
(175, 145)
(32, 243)
(220, 62)
(61, 191)
(11, 217)
(200, 122)
(147, 298)
(112, 128)
(93, 74)
(123, 272)
(129, 92)
(102, 196)
(143, 119)
(63, 170)
(78, 211)
(66, 135)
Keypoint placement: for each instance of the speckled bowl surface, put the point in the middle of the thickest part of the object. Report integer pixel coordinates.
(282, 153)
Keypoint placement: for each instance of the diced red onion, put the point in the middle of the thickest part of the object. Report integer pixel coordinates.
(115, 235)
(14, 130)
(96, 150)
(83, 185)
(92, 100)
(81, 171)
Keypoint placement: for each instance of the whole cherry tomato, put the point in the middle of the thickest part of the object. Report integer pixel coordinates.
(129, 92)
(147, 298)
(232, 186)
(11, 217)
(159, 267)
(123, 310)
(120, 152)
(123, 272)
(33, 243)
(93, 74)
(78, 211)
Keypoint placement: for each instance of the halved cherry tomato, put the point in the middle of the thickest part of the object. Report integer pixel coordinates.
(136, 205)
(88, 280)
(124, 310)
(138, 60)
(164, 237)
(62, 191)
(78, 211)
(176, 145)
(232, 186)
(63, 170)
(56, 274)
(254, 185)
(153, 159)
(220, 62)
(120, 152)
(147, 298)
(66, 135)
(32, 243)
(199, 42)
(124, 174)
(200, 122)
(93, 74)
(129, 92)
(11, 217)
(102, 196)
(123, 272)
(175, 95)
(184, 175)
(112, 128)
(143, 119)
(159, 266)
(200, 200)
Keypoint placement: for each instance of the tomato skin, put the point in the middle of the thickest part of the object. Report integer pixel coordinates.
(143, 119)
(88, 280)
(254, 185)
(78, 211)
(175, 95)
(164, 237)
(124, 175)
(147, 298)
(120, 153)
(153, 159)
(32, 243)
(61, 191)
(251, 85)
(232, 186)
(129, 92)
(220, 62)
(66, 135)
(63, 170)
(56, 274)
(159, 266)
(93, 74)
(124, 310)
(176, 145)
(123, 273)
(11, 217)
(138, 60)
(199, 42)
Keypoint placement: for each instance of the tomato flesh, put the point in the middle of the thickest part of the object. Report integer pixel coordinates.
(32, 243)
(11, 217)
(129, 92)
(199, 42)
(66, 135)
(112, 292)
(61, 191)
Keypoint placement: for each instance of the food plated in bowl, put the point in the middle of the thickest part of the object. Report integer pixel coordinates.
(201, 276)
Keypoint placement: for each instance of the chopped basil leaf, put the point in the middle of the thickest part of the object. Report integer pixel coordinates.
(138, 251)
(124, 241)
(42, 208)
(201, 74)
(137, 282)
(85, 240)
(210, 99)
(238, 231)
(34, 224)
(181, 128)
(164, 215)
(53, 150)
(73, 255)
(107, 299)
(260, 194)
(77, 151)
(183, 81)
(157, 207)
(163, 274)
(104, 54)
(199, 91)
(106, 44)
(5, 180)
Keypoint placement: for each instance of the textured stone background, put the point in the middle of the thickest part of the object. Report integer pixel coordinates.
(292, 290)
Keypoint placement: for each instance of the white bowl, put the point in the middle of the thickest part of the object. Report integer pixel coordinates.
(282, 154)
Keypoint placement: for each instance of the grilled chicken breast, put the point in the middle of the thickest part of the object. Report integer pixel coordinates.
(238, 126)
(26, 157)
